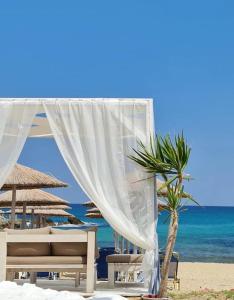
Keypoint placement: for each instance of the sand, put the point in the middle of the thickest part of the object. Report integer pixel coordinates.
(200, 276)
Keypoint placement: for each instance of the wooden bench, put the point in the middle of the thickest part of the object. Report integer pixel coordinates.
(47, 263)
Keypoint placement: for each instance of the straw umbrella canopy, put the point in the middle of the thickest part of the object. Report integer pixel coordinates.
(89, 204)
(94, 215)
(163, 192)
(33, 198)
(44, 212)
(93, 210)
(48, 207)
(22, 178)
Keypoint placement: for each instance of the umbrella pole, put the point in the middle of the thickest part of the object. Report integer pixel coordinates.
(44, 221)
(37, 221)
(40, 221)
(24, 215)
(13, 202)
(32, 219)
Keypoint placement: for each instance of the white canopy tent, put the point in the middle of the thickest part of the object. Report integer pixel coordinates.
(95, 137)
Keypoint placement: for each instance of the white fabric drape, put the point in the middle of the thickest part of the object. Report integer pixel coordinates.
(15, 122)
(95, 139)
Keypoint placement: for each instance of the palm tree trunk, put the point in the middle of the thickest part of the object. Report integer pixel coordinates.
(168, 253)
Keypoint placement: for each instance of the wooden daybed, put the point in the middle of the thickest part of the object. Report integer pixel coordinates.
(45, 249)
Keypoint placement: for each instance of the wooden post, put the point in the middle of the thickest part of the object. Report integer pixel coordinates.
(77, 279)
(3, 255)
(13, 203)
(111, 275)
(90, 262)
(33, 277)
(24, 215)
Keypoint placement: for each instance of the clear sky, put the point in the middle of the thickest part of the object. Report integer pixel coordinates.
(181, 53)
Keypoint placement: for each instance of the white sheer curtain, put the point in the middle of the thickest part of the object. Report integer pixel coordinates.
(15, 122)
(95, 138)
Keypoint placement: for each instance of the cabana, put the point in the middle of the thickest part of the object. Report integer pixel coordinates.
(95, 138)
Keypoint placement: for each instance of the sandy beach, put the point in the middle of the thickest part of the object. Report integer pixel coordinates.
(193, 277)
(200, 276)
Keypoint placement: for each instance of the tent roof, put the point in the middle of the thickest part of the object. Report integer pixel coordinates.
(34, 197)
(41, 127)
(27, 178)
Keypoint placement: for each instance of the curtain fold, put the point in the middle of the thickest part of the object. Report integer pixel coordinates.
(16, 119)
(95, 139)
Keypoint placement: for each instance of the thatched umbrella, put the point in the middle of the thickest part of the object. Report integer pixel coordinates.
(22, 178)
(94, 215)
(33, 198)
(44, 212)
(163, 193)
(89, 204)
(48, 207)
(93, 210)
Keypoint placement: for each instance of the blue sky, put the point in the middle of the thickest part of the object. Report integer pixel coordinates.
(181, 53)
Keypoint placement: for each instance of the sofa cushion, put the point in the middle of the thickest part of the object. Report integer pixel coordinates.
(70, 249)
(124, 258)
(28, 249)
(46, 260)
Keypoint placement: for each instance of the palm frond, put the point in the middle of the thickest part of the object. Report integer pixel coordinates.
(166, 157)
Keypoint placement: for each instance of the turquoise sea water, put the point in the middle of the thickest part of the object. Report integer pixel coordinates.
(206, 234)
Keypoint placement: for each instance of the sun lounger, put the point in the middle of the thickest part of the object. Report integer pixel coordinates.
(122, 263)
(173, 269)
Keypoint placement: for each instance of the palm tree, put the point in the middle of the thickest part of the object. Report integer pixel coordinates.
(167, 158)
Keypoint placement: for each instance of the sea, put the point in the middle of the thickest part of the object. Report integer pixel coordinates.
(206, 234)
